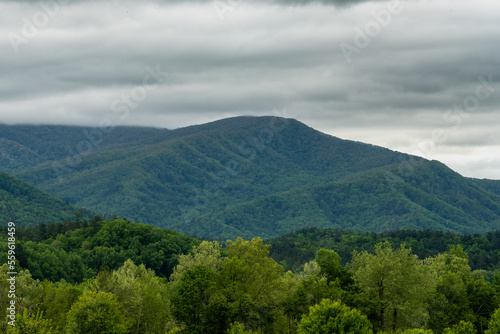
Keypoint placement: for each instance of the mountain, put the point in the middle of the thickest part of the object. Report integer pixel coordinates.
(24, 204)
(24, 146)
(246, 176)
(432, 197)
(491, 185)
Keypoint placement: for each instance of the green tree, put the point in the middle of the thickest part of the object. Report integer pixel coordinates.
(330, 317)
(252, 283)
(254, 272)
(28, 292)
(142, 294)
(238, 328)
(483, 300)
(305, 293)
(450, 302)
(96, 313)
(413, 331)
(57, 301)
(330, 264)
(207, 254)
(398, 282)
(34, 324)
(198, 304)
(494, 323)
(463, 327)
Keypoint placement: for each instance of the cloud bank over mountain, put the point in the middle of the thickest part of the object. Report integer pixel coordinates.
(415, 76)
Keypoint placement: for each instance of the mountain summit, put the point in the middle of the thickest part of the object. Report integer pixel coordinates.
(246, 176)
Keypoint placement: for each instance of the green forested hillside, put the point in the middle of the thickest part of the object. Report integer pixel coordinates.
(491, 185)
(77, 250)
(431, 197)
(24, 204)
(248, 176)
(24, 146)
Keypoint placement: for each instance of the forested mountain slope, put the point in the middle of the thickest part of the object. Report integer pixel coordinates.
(24, 204)
(431, 197)
(23, 146)
(247, 176)
(491, 185)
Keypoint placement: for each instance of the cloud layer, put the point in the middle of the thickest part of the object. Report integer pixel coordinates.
(416, 76)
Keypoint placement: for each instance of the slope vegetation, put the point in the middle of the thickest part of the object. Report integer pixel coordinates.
(24, 204)
(248, 176)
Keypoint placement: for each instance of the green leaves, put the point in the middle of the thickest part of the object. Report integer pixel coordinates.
(245, 286)
(143, 295)
(252, 271)
(34, 324)
(80, 254)
(198, 303)
(329, 262)
(398, 281)
(240, 289)
(463, 327)
(96, 313)
(207, 254)
(494, 324)
(330, 317)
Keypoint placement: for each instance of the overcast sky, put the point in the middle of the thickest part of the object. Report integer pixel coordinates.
(415, 76)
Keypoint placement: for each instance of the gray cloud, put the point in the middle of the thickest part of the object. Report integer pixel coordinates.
(263, 56)
(341, 3)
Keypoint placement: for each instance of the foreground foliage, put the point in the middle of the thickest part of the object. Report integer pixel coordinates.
(334, 318)
(236, 287)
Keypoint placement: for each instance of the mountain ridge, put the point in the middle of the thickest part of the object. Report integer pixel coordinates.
(214, 180)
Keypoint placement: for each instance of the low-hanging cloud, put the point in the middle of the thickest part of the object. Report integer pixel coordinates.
(264, 55)
(341, 3)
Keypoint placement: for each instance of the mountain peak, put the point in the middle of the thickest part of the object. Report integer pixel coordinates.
(247, 176)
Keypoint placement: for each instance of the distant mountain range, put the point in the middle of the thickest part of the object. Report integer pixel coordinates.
(246, 176)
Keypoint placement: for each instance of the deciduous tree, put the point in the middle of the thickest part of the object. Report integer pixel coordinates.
(97, 313)
(398, 281)
(330, 317)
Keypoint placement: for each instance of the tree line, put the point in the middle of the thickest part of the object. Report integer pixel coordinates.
(294, 249)
(237, 287)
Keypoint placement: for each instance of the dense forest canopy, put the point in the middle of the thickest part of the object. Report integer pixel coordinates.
(77, 250)
(294, 249)
(125, 277)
